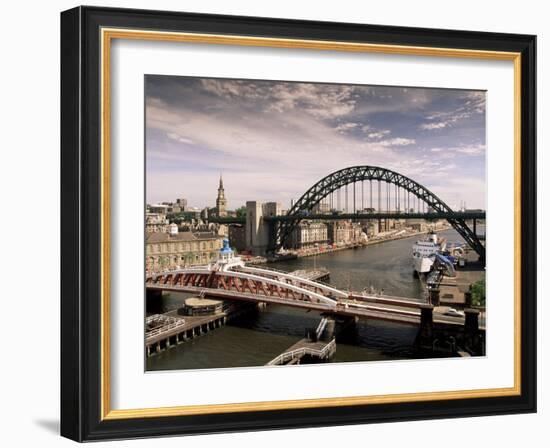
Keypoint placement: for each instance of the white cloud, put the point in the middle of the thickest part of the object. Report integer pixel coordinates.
(319, 100)
(366, 128)
(280, 142)
(344, 127)
(398, 141)
(378, 134)
(179, 138)
(472, 150)
(473, 103)
(431, 126)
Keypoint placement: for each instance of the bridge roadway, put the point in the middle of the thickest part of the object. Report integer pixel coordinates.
(269, 286)
(467, 216)
(382, 215)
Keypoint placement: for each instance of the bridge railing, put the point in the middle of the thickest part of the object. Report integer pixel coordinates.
(168, 323)
(321, 327)
(280, 271)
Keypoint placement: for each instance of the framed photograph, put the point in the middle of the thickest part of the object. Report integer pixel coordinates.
(276, 224)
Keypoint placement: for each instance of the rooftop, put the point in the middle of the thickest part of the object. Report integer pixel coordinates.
(196, 301)
(161, 237)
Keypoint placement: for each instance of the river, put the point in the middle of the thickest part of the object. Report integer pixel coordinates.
(256, 339)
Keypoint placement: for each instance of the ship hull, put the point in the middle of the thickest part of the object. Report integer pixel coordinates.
(422, 265)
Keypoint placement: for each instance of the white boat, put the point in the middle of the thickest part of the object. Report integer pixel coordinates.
(423, 250)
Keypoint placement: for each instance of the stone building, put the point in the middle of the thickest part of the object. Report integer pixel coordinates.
(344, 232)
(418, 225)
(257, 229)
(321, 208)
(308, 234)
(156, 222)
(182, 204)
(163, 209)
(179, 249)
(372, 228)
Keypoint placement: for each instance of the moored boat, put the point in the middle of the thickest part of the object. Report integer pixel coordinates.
(423, 250)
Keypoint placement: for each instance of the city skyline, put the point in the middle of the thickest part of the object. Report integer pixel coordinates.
(273, 140)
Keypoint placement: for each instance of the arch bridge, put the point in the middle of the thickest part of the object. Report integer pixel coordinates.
(394, 195)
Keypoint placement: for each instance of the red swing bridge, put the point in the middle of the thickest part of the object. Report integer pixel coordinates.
(230, 279)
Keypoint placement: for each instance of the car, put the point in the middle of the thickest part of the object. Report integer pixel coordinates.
(454, 313)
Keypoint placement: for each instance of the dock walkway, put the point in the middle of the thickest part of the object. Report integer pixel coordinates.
(172, 329)
(319, 274)
(320, 350)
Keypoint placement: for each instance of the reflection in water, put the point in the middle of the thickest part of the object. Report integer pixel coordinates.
(253, 340)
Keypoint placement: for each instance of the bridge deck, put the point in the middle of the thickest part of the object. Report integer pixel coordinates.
(386, 299)
(365, 311)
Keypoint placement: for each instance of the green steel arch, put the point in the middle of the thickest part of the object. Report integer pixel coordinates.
(351, 175)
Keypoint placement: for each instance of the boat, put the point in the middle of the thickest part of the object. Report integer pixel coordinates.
(423, 251)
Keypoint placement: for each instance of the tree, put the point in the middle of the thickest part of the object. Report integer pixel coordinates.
(478, 293)
(241, 212)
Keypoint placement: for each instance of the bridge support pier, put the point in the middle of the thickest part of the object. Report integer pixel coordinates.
(153, 294)
(468, 299)
(425, 334)
(472, 337)
(433, 296)
(330, 329)
(153, 301)
(340, 327)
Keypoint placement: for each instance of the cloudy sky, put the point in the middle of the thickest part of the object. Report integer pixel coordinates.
(273, 140)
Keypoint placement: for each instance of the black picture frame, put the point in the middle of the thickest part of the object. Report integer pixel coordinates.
(81, 215)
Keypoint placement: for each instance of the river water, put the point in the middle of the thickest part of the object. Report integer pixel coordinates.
(255, 339)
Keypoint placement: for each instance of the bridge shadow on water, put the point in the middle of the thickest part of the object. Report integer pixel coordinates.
(362, 341)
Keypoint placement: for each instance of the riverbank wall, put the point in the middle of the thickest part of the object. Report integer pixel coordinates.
(372, 242)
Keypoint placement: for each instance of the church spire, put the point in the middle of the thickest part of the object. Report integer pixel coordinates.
(221, 201)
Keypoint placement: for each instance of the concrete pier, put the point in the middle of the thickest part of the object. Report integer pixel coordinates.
(426, 331)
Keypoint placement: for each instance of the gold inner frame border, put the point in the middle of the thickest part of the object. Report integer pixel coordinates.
(107, 35)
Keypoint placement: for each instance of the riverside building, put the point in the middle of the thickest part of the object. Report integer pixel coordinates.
(156, 222)
(344, 232)
(175, 249)
(308, 234)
